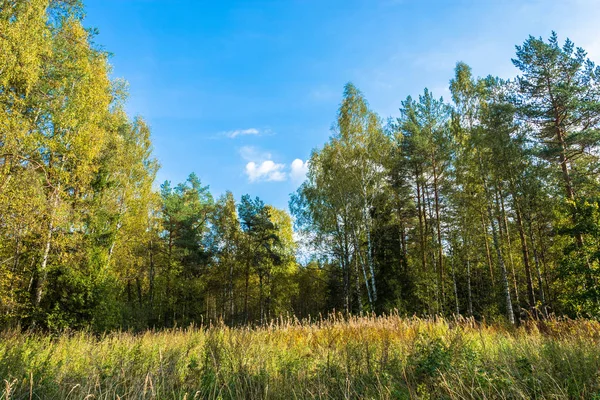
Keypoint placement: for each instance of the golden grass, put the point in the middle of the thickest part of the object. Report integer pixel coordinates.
(387, 357)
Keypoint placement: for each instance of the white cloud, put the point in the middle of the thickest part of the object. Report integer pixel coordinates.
(260, 167)
(265, 171)
(242, 132)
(299, 169)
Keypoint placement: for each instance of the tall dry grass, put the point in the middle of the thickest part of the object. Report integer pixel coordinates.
(387, 357)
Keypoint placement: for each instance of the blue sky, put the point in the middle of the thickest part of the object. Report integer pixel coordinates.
(240, 92)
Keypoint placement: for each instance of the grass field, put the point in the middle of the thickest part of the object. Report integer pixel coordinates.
(363, 357)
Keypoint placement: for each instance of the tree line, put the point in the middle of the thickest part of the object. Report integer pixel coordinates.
(85, 240)
(486, 206)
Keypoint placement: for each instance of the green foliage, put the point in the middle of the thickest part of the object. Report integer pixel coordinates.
(580, 266)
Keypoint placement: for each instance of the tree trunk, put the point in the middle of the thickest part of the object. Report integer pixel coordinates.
(526, 262)
(564, 166)
(439, 232)
(564, 163)
(508, 242)
(499, 219)
(260, 297)
(509, 308)
(230, 295)
(403, 248)
(470, 295)
(247, 276)
(421, 224)
(367, 219)
(43, 272)
(539, 275)
(357, 286)
(358, 257)
(347, 283)
(438, 302)
(487, 249)
(151, 275)
(455, 289)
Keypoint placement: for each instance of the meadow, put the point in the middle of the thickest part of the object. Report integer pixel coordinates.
(388, 357)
